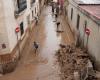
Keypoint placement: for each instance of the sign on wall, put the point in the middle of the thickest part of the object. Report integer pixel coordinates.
(17, 29)
(87, 31)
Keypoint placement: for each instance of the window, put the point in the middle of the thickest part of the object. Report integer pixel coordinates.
(78, 21)
(32, 14)
(21, 28)
(35, 10)
(85, 25)
(71, 13)
(21, 5)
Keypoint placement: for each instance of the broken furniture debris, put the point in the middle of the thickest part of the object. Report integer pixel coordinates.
(75, 63)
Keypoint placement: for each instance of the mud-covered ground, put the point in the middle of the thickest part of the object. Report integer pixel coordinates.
(42, 66)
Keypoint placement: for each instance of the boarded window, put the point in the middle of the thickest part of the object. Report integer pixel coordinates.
(32, 14)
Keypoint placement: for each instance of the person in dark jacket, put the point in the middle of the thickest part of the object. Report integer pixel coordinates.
(57, 9)
(36, 46)
(56, 15)
(36, 18)
(58, 23)
(52, 8)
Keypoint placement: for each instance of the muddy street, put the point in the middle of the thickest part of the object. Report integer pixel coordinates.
(42, 65)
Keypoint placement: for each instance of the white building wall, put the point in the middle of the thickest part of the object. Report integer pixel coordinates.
(94, 38)
(3, 33)
(98, 46)
(28, 6)
(10, 23)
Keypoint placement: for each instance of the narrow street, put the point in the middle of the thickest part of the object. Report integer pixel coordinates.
(43, 65)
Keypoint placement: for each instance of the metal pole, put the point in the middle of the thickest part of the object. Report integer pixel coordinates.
(18, 45)
(87, 42)
(85, 25)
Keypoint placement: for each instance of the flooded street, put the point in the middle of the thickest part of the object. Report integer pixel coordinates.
(43, 65)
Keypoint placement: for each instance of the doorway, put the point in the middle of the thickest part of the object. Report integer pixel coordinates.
(21, 28)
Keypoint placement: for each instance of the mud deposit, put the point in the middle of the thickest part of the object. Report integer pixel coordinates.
(74, 63)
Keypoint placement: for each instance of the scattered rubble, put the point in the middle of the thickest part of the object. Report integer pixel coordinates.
(74, 63)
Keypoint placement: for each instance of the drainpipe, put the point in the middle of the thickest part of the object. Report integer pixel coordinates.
(83, 39)
(17, 30)
(87, 42)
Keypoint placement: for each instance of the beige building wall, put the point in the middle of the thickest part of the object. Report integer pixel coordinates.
(94, 38)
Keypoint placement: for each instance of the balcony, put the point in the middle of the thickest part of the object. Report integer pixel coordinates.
(21, 6)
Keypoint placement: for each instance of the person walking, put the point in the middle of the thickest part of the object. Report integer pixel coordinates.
(52, 8)
(56, 15)
(57, 9)
(36, 18)
(36, 46)
(58, 23)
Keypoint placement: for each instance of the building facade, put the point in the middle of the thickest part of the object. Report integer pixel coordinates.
(16, 18)
(84, 20)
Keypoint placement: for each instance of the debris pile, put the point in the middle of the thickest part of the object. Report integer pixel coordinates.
(72, 61)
